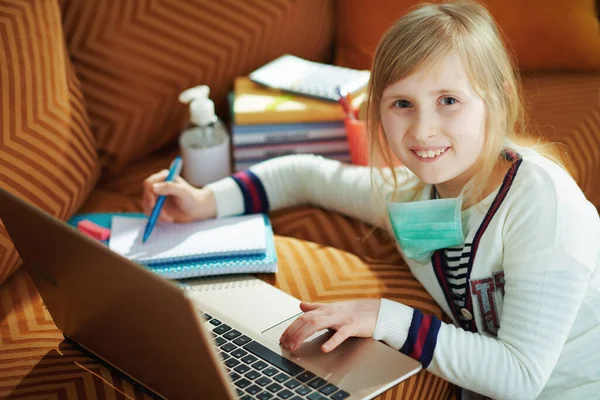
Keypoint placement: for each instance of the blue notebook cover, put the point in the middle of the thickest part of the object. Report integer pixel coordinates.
(249, 264)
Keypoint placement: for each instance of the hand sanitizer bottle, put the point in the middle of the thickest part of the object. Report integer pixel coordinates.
(205, 142)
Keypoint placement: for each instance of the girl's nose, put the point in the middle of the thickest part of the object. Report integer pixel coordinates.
(424, 128)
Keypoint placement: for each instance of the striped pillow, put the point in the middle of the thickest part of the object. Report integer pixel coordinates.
(47, 151)
(135, 57)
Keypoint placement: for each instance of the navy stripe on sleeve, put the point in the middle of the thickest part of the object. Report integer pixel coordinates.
(253, 192)
(422, 337)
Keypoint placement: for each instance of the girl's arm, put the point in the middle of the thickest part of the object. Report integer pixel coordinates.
(550, 251)
(300, 179)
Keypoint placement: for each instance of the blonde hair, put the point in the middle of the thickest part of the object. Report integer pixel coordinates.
(422, 38)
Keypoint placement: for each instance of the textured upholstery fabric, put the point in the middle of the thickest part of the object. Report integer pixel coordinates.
(134, 57)
(46, 147)
(565, 108)
(558, 35)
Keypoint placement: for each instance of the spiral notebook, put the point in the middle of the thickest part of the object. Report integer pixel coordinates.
(250, 264)
(193, 241)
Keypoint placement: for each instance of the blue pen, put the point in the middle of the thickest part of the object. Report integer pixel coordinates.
(174, 171)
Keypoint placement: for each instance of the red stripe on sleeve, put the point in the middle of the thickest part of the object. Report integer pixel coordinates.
(256, 203)
(420, 342)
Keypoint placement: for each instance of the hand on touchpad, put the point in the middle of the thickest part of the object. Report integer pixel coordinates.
(311, 348)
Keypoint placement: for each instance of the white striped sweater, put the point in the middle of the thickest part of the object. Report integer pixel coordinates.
(528, 325)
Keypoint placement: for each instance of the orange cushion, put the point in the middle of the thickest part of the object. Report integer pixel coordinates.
(134, 60)
(565, 108)
(552, 35)
(47, 151)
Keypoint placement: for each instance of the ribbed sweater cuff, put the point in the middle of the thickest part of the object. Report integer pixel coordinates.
(228, 197)
(393, 323)
(407, 330)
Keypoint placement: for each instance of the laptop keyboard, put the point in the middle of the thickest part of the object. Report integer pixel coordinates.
(259, 373)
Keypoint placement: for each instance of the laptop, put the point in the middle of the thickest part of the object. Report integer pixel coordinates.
(213, 338)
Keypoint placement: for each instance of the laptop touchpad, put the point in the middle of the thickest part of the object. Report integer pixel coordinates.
(311, 348)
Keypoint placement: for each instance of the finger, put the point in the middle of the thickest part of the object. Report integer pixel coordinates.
(333, 342)
(148, 201)
(306, 307)
(295, 327)
(314, 325)
(165, 217)
(167, 189)
(285, 338)
(303, 319)
(148, 207)
(154, 178)
(148, 196)
(179, 179)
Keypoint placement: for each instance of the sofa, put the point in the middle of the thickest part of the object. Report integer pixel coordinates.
(89, 109)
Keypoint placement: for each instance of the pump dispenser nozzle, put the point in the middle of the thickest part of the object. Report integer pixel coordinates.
(202, 109)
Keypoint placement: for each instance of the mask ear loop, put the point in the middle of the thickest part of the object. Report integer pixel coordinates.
(434, 193)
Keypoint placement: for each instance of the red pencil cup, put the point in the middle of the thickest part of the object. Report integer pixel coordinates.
(356, 133)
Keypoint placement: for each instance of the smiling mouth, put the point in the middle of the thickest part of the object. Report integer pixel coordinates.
(430, 154)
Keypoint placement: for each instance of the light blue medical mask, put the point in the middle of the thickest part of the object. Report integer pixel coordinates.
(421, 227)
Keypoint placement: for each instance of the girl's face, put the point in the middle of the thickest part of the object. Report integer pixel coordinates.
(435, 124)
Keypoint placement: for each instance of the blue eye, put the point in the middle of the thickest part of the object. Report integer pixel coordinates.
(448, 101)
(402, 104)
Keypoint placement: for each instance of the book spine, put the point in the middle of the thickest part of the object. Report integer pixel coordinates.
(282, 116)
(273, 127)
(243, 165)
(287, 136)
(263, 152)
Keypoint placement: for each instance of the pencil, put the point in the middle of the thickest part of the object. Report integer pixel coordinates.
(347, 107)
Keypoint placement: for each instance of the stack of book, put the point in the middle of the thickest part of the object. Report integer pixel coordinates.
(269, 123)
(241, 244)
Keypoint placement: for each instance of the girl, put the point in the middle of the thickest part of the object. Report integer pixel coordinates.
(498, 233)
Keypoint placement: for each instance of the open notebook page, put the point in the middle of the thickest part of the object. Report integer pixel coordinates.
(221, 237)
